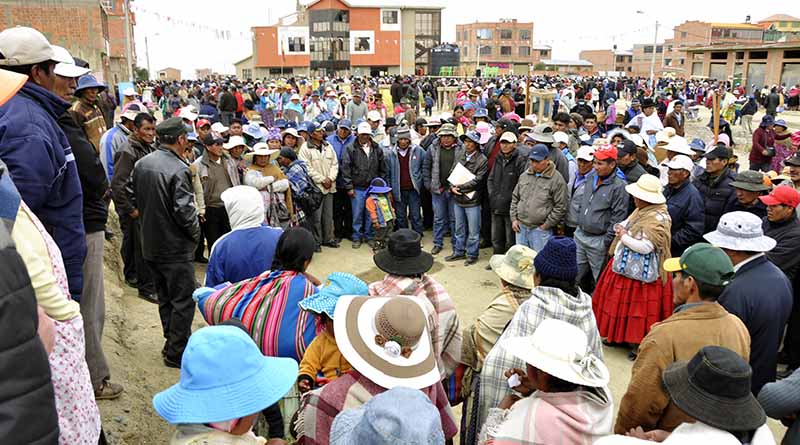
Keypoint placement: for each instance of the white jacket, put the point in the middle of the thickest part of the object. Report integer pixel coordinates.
(695, 434)
(322, 164)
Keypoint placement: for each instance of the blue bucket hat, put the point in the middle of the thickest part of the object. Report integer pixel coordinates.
(281, 123)
(88, 81)
(336, 285)
(378, 185)
(781, 123)
(481, 112)
(697, 144)
(474, 136)
(399, 416)
(254, 130)
(224, 376)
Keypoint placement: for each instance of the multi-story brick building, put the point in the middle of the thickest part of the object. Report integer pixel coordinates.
(507, 45)
(780, 27)
(89, 29)
(349, 36)
(749, 64)
(606, 61)
(169, 74)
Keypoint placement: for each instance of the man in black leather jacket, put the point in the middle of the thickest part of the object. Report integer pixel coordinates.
(170, 231)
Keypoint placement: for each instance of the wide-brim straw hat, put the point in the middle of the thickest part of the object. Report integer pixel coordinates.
(355, 328)
(262, 149)
(648, 188)
(516, 266)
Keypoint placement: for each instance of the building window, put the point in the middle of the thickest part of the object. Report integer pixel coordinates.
(484, 34)
(545, 53)
(505, 50)
(758, 55)
(667, 62)
(524, 34)
(296, 44)
(321, 27)
(630, 69)
(390, 17)
(683, 34)
(486, 50)
(247, 73)
(506, 34)
(791, 54)
(465, 51)
(697, 68)
(719, 55)
(683, 61)
(428, 24)
(458, 36)
(525, 51)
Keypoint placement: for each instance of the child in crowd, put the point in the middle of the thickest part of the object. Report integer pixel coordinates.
(381, 212)
(428, 104)
(225, 384)
(322, 361)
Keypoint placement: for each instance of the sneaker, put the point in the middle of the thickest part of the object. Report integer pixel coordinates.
(455, 257)
(108, 391)
(436, 250)
(331, 244)
(470, 261)
(356, 244)
(149, 297)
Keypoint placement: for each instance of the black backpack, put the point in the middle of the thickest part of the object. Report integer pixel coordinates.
(311, 199)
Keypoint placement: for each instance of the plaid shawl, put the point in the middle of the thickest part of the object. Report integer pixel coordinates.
(445, 327)
(320, 407)
(544, 303)
(268, 307)
(578, 417)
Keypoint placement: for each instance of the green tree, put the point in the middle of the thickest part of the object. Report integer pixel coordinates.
(141, 74)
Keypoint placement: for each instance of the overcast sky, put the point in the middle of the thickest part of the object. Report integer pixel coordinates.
(185, 34)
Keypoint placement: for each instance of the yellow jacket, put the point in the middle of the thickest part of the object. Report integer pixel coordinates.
(323, 357)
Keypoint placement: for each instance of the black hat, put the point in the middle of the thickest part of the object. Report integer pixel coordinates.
(720, 151)
(714, 388)
(646, 103)
(404, 255)
(627, 147)
(793, 160)
(420, 122)
(390, 122)
(288, 153)
(211, 139)
(171, 127)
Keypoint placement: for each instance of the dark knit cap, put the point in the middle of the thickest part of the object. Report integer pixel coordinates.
(288, 153)
(558, 259)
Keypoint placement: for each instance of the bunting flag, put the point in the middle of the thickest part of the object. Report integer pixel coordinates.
(218, 33)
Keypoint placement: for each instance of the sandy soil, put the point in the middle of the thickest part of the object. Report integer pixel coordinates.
(133, 339)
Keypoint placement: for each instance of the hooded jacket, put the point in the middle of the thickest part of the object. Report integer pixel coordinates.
(540, 198)
(248, 249)
(42, 165)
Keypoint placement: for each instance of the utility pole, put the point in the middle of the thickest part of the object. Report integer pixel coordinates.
(653, 59)
(478, 53)
(147, 55)
(128, 53)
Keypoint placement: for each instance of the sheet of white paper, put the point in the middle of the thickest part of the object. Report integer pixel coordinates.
(514, 381)
(461, 175)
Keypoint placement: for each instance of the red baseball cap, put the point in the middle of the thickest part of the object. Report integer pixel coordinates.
(784, 194)
(202, 123)
(606, 151)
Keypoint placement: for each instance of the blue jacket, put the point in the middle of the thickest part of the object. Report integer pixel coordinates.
(242, 254)
(338, 146)
(393, 169)
(42, 165)
(761, 296)
(208, 111)
(687, 210)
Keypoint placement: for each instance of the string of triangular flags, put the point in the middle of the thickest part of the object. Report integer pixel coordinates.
(164, 19)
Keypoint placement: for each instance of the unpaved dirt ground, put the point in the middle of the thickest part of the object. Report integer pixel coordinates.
(133, 339)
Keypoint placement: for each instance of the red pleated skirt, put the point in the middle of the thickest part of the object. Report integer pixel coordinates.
(625, 308)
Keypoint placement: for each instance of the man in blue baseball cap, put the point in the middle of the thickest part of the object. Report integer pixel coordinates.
(539, 200)
(323, 167)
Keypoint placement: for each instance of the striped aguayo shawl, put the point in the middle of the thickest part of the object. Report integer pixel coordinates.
(268, 307)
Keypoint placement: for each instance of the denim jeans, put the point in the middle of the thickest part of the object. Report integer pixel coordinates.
(533, 237)
(409, 208)
(443, 217)
(468, 225)
(362, 226)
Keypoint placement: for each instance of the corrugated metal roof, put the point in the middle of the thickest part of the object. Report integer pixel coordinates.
(736, 26)
(565, 62)
(743, 46)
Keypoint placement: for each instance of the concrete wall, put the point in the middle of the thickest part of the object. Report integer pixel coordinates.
(772, 71)
(408, 49)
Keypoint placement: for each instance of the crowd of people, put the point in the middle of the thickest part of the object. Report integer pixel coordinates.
(608, 226)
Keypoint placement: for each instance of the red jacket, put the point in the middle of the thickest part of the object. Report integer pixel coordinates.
(762, 139)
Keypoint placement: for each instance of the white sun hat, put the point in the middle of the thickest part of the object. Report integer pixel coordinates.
(66, 64)
(569, 358)
(681, 162)
(648, 188)
(678, 144)
(387, 340)
(233, 142)
(742, 232)
(217, 127)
